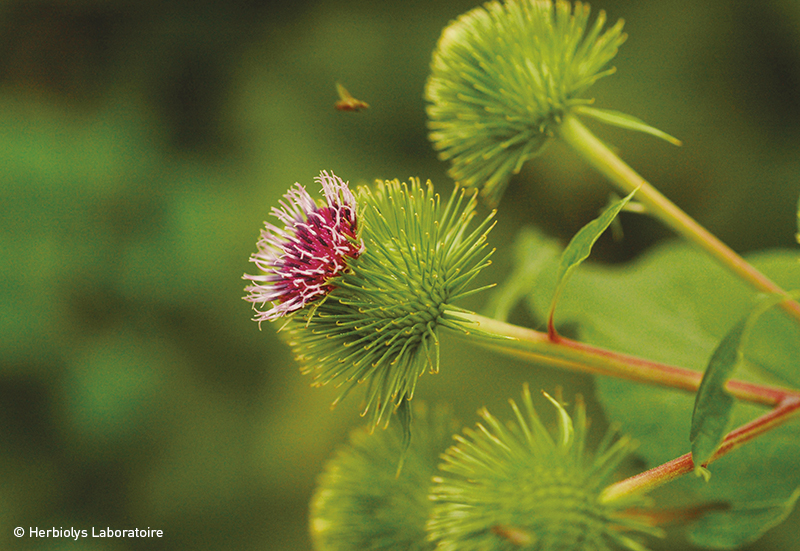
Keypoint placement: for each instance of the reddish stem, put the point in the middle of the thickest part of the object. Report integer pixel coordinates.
(682, 465)
(678, 377)
(555, 350)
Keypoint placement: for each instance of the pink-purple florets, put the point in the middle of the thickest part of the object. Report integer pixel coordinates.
(299, 260)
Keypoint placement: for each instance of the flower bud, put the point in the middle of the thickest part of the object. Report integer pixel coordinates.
(515, 485)
(380, 323)
(362, 502)
(503, 76)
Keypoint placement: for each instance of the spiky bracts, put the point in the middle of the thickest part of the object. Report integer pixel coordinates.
(314, 245)
(515, 486)
(503, 76)
(379, 325)
(363, 503)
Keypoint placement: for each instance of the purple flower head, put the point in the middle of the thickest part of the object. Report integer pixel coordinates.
(299, 260)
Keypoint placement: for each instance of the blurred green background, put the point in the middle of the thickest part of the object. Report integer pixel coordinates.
(143, 143)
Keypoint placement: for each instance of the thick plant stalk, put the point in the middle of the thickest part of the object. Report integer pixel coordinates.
(597, 154)
(577, 356)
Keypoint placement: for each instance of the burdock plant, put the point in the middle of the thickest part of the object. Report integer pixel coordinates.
(363, 281)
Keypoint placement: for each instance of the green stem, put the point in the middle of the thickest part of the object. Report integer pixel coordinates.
(597, 154)
(566, 353)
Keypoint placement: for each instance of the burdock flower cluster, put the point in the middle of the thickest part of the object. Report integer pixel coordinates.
(366, 282)
(502, 486)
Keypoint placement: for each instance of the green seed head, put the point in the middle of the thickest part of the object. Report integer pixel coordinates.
(516, 486)
(379, 325)
(503, 76)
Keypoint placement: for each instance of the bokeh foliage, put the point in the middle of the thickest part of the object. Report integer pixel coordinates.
(143, 143)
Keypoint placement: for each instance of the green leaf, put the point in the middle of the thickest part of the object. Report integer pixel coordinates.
(675, 305)
(741, 525)
(580, 247)
(623, 120)
(713, 405)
